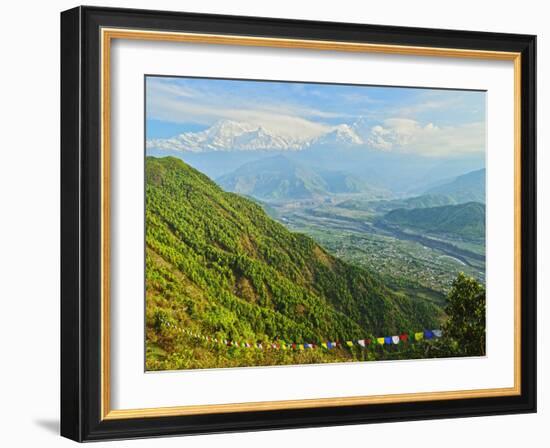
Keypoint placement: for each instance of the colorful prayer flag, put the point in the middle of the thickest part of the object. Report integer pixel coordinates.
(388, 340)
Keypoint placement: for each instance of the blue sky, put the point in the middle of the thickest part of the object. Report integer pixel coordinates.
(397, 118)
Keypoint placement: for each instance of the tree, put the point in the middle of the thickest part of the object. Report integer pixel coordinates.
(464, 331)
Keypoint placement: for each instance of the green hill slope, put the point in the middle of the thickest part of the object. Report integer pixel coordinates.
(463, 220)
(466, 188)
(217, 265)
(386, 205)
(344, 182)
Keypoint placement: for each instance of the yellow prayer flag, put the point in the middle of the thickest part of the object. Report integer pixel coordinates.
(324, 345)
(419, 336)
(380, 341)
(349, 343)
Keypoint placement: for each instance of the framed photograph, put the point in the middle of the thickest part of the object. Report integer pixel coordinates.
(273, 223)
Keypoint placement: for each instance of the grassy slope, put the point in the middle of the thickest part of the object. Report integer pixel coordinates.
(218, 265)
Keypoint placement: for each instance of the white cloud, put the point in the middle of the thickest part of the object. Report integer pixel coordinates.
(407, 135)
(161, 87)
(428, 105)
(173, 103)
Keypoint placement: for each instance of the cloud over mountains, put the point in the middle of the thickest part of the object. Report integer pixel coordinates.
(395, 134)
(207, 115)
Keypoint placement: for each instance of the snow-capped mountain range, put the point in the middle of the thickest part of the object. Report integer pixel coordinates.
(228, 135)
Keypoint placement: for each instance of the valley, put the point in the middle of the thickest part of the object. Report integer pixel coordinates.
(417, 242)
(426, 262)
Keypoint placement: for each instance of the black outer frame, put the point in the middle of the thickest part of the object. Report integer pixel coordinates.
(80, 224)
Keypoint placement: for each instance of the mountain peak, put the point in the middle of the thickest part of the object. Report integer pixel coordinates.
(231, 135)
(342, 134)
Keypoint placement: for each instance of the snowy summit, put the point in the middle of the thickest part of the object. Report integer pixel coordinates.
(229, 135)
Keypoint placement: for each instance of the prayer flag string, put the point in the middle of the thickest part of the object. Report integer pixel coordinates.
(324, 345)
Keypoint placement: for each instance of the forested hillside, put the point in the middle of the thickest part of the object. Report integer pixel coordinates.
(218, 265)
(462, 220)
